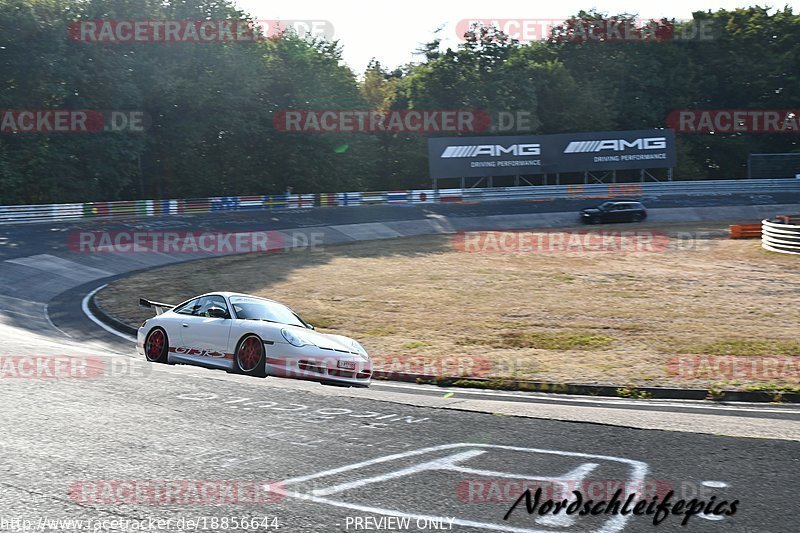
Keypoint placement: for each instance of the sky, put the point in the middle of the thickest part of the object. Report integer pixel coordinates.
(391, 31)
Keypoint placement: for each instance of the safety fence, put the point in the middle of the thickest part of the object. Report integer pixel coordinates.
(781, 234)
(773, 165)
(18, 214)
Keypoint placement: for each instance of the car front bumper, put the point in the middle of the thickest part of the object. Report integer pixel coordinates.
(325, 366)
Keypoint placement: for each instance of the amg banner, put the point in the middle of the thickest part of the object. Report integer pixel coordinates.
(454, 157)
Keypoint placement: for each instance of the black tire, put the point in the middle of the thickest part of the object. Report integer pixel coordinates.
(156, 346)
(637, 218)
(250, 357)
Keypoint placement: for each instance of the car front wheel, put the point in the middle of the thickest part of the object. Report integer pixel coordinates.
(249, 357)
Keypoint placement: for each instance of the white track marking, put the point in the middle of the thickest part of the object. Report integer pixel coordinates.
(47, 316)
(713, 485)
(88, 313)
(575, 477)
(614, 524)
(445, 463)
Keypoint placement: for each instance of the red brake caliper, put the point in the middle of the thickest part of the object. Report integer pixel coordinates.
(156, 344)
(250, 353)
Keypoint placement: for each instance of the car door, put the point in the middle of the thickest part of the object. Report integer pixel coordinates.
(205, 338)
(623, 213)
(612, 213)
(183, 316)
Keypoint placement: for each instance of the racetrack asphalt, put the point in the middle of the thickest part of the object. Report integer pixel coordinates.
(71, 446)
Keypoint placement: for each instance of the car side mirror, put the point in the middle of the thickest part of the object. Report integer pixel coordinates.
(311, 326)
(217, 312)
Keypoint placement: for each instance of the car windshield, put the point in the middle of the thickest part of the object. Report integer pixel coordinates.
(249, 308)
(605, 206)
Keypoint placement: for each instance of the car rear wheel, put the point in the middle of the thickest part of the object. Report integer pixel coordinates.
(156, 346)
(638, 217)
(249, 358)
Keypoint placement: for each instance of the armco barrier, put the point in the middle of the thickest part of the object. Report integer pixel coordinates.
(781, 234)
(18, 214)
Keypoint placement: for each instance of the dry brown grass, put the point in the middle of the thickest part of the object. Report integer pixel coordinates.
(577, 318)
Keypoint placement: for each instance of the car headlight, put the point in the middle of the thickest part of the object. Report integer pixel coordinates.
(357, 347)
(294, 339)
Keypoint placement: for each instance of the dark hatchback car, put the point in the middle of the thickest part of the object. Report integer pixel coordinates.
(614, 212)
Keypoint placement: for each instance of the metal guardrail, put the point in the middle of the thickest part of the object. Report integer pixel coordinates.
(19, 214)
(781, 234)
(611, 190)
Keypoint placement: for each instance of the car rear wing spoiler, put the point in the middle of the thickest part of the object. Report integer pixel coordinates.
(159, 307)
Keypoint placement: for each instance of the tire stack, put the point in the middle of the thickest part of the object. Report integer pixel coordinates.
(781, 234)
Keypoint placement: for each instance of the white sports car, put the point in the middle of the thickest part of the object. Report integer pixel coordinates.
(249, 335)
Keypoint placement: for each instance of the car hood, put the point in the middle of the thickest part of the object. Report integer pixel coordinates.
(321, 340)
(330, 342)
(592, 210)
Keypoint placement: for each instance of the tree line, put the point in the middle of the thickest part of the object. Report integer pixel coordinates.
(209, 109)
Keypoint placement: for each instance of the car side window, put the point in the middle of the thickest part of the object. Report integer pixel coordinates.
(189, 308)
(210, 301)
(241, 311)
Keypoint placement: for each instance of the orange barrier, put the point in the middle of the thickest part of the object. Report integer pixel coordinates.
(789, 219)
(745, 231)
